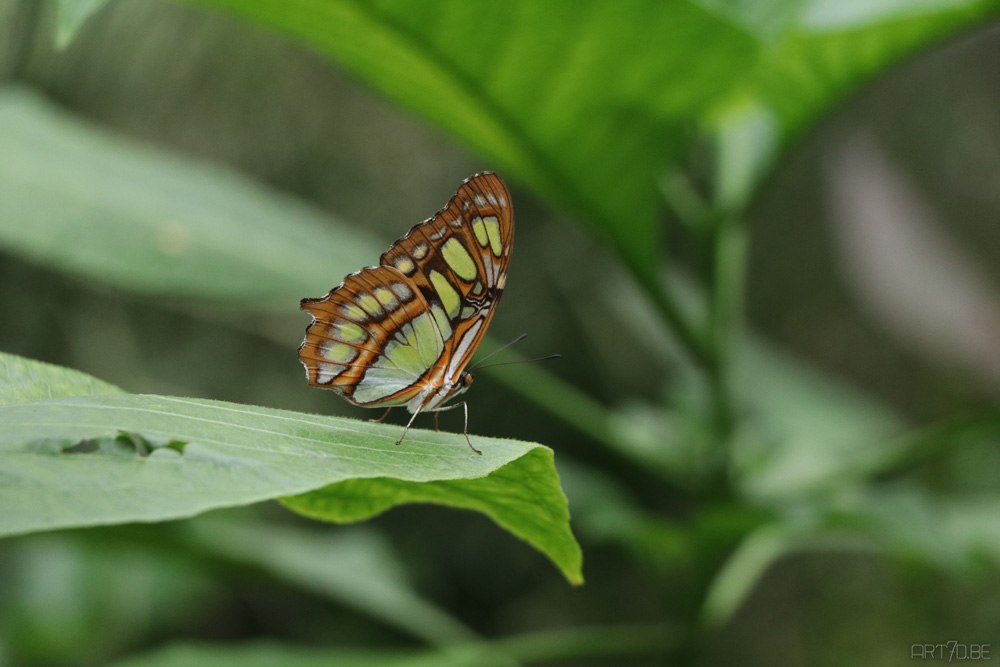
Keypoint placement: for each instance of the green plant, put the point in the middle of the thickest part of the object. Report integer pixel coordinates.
(606, 112)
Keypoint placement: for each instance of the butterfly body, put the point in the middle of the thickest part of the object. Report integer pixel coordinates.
(402, 333)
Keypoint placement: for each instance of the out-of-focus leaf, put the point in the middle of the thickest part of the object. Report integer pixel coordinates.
(23, 380)
(575, 407)
(591, 114)
(355, 567)
(799, 426)
(603, 511)
(270, 655)
(957, 535)
(535, 648)
(805, 426)
(76, 198)
(71, 601)
(70, 15)
(762, 549)
(819, 51)
(120, 458)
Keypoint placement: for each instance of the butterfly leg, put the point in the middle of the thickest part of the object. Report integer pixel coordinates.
(437, 426)
(465, 431)
(407, 426)
(384, 415)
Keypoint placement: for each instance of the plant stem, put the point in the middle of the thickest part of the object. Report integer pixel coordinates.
(694, 340)
(729, 249)
(560, 398)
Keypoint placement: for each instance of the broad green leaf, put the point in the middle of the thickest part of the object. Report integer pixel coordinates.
(829, 48)
(356, 567)
(106, 459)
(80, 199)
(590, 102)
(524, 499)
(24, 380)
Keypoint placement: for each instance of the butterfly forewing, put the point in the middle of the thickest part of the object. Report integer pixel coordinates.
(394, 334)
(459, 260)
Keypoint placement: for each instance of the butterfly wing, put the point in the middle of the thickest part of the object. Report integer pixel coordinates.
(459, 259)
(405, 329)
(372, 338)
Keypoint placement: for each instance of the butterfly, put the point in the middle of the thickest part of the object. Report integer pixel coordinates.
(402, 332)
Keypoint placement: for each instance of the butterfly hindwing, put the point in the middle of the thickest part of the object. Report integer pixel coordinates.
(372, 339)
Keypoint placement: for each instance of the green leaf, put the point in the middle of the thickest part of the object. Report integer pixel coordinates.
(525, 499)
(354, 566)
(75, 598)
(71, 15)
(590, 102)
(957, 535)
(800, 428)
(82, 200)
(808, 429)
(24, 380)
(271, 654)
(106, 459)
(535, 648)
(828, 49)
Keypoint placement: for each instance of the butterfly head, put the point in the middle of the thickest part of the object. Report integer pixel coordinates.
(463, 382)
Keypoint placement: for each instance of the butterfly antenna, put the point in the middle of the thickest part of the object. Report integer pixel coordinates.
(498, 351)
(522, 361)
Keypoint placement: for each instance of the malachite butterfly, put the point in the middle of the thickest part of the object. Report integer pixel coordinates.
(402, 332)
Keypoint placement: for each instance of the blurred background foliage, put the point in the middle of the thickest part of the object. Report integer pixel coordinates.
(772, 276)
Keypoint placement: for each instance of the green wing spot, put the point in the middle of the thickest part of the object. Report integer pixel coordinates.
(370, 304)
(354, 313)
(444, 326)
(480, 231)
(427, 340)
(386, 298)
(405, 357)
(458, 259)
(350, 332)
(340, 353)
(449, 297)
(493, 231)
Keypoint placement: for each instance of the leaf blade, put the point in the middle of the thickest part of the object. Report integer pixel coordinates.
(94, 204)
(159, 458)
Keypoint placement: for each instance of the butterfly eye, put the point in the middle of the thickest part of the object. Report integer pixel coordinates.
(466, 378)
